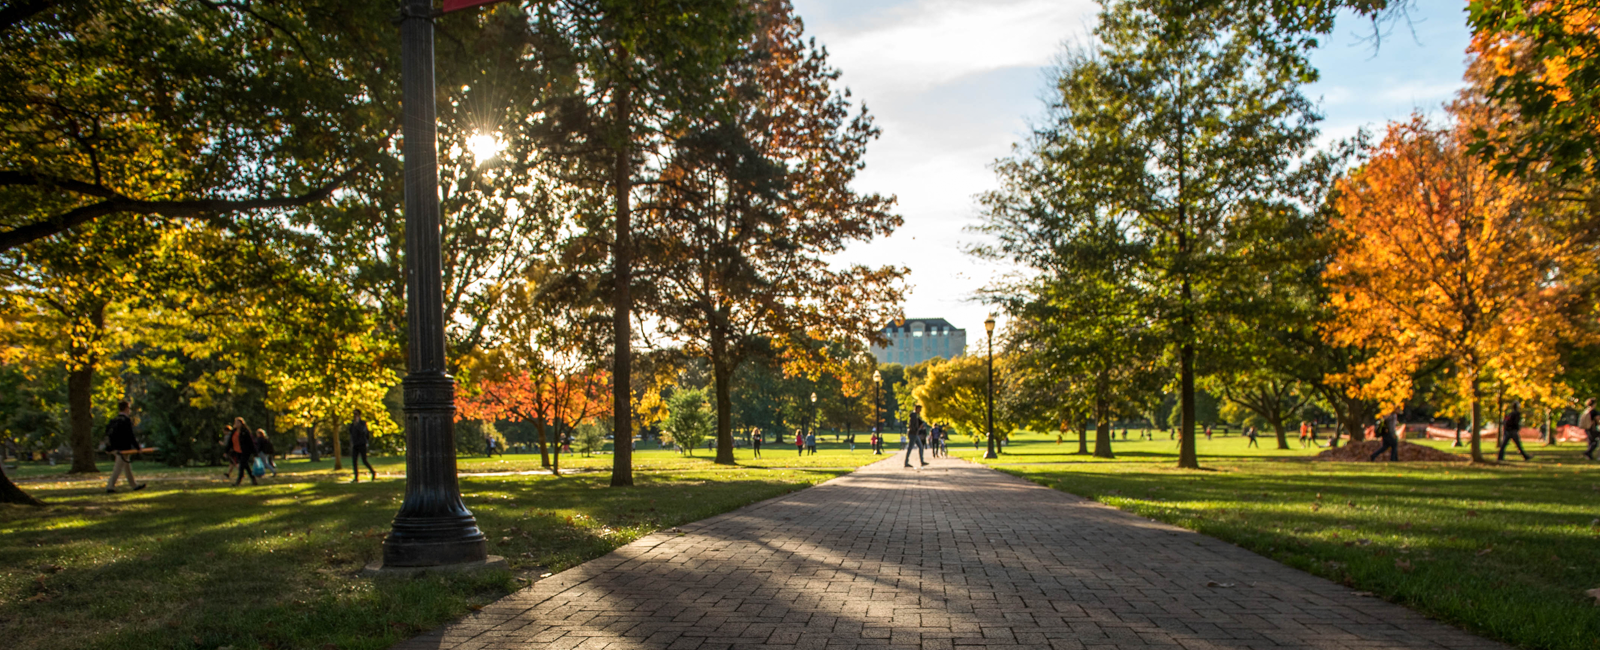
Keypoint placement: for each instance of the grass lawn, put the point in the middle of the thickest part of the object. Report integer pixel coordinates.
(1506, 551)
(193, 562)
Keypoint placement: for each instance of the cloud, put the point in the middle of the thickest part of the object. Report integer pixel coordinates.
(917, 46)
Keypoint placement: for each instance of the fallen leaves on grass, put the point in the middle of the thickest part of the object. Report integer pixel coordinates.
(1362, 451)
(1484, 552)
(1595, 594)
(1403, 565)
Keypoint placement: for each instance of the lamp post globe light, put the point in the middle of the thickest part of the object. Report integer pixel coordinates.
(988, 329)
(877, 412)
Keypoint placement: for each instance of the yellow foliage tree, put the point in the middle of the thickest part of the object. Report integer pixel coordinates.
(1445, 261)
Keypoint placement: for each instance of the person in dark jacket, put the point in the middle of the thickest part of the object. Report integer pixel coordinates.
(359, 437)
(916, 435)
(121, 443)
(1589, 421)
(755, 442)
(242, 444)
(1511, 431)
(1385, 430)
(264, 446)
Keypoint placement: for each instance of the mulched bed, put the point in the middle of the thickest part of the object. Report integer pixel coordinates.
(1360, 451)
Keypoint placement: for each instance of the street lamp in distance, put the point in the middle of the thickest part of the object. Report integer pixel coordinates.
(988, 329)
(877, 412)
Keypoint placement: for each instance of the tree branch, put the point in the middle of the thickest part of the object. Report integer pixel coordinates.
(21, 10)
(115, 203)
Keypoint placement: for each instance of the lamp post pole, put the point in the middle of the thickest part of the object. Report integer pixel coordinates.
(433, 526)
(877, 412)
(988, 328)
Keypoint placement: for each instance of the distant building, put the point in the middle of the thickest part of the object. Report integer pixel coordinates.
(918, 339)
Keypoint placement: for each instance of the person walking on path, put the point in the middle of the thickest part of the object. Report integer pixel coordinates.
(243, 445)
(1589, 421)
(264, 446)
(360, 436)
(914, 432)
(1511, 431)
(1385, 430)
(1251, 433)
(755, 443)
(121, 442)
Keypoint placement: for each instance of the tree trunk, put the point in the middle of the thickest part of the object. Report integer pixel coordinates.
(1475, 439)
(1083, 437)
(724, 414)
(1187, 456)
(721, 376)
(621, 298)
(544, 443)
(1551, 429)
(10, 493)
(338, 451)
(313, 450)
(1283, 437)
(555, 453)
(80, 417)
(1102, 427)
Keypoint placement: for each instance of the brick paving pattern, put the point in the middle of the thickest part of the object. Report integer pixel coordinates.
(948, 557)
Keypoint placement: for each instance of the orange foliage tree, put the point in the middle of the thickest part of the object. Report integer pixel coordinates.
(1544, 63)
(1445, 263)
(553, 402)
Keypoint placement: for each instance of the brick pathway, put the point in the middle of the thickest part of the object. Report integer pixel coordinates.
(951, 556)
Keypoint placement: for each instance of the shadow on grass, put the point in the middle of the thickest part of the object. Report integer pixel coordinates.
(201, 565)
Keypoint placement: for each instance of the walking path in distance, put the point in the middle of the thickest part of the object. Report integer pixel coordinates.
(950, 556)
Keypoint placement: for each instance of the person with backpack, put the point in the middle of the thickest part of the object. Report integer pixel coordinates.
(1385, 430)
(242, 444)
(1589, 421)
(359, 437)
(799, 443)
(121, 442)
(264, 446)
(1250, 432)
(1511, 431)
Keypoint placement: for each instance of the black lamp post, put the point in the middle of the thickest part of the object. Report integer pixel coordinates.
(811, 422)
(988, 328)
(433, 527)
(877, 412)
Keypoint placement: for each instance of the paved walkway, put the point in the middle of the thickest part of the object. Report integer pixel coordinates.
(950, 556)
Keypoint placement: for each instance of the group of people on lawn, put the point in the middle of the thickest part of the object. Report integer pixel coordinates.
(1388, 430)
(249, 453)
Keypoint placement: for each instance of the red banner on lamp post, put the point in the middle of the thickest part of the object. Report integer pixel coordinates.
(457, 5)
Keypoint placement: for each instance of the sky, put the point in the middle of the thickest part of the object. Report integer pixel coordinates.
(954, 84)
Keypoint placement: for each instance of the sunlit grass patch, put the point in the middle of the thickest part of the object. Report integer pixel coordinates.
(1503, 550)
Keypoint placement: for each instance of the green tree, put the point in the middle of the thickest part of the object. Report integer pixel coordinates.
(1191, 122)
(185, 109)
(689, 419)
(754, 200)
(632, 74)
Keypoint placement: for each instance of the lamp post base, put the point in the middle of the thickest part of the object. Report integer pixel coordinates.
(380, 570)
